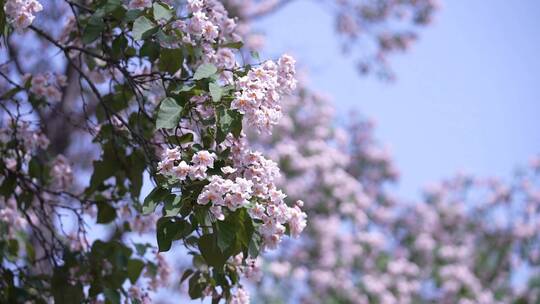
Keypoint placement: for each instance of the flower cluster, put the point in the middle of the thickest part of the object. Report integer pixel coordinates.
(172, 165)
(28, 140)
(208, 23)
(10, 215)
(319, 164)
(226, 193)
(362, 246)
(251, 184)
(21, 13)
(240, 297)
(61, 172)
(140, 4)
(260, 92)
(47, 85)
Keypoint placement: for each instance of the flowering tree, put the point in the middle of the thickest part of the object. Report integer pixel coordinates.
(154, 88)
(470, 240)
(101, 97)
(372, 30)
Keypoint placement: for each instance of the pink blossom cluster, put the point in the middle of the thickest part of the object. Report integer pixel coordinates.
(11, 216)
(136, 293)
(21, 13)
(28, 141)
(308, 148)
(269, 205)
(47, 85)
(466, 241)
(140, 4)
(209, 22)
(20, 145)
(139, 223)
(172, 164)
(62, 172)
(260, 92)
(364, 23)
(249, 267)
(226, 193)
(163, 275)
(250, 184)
(320, 162)
(241, 296)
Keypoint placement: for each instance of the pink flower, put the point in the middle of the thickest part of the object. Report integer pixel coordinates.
(140, 4)
(217, 212)
(204, 159)
(240, 297)
(20, 13)
(181, 170)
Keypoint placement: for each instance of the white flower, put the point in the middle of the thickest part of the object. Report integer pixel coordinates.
(297, 221)
(228, 170)
(240, 297)
(204, 159)
(181, 171)
(217, 212)
(20, 13)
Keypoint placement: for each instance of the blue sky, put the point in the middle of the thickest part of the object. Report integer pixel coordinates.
(467, 97)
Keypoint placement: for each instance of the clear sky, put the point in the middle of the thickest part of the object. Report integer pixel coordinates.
(467, 97)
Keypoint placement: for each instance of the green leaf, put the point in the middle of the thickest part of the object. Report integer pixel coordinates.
(234, 45)
(255, 55)
(172, 205)
(170, 60)
(195, 286)
(143, 28)
(118, 46)
(215, 91)
(104, 168)
(153, 199)
(169, 229)
(186, 138)
(166, 39)
(150, 49)
(161, 11)
(62, 290)
(30, 252)
(13, 249)
(169, 114)
(229, 121)
(2, 18)
(134, 269)
(112, 295)
(136, 167)
(204, 71)
(36, 169)
(106, 213)
(211, 252)
(226, 235)
(8, 185)
(93, 29)
(110, 6)
(254, 247)
(131, 15)
(183, 88)
(235, 233)
(11, 93)
(141, 248)
(186, 275)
